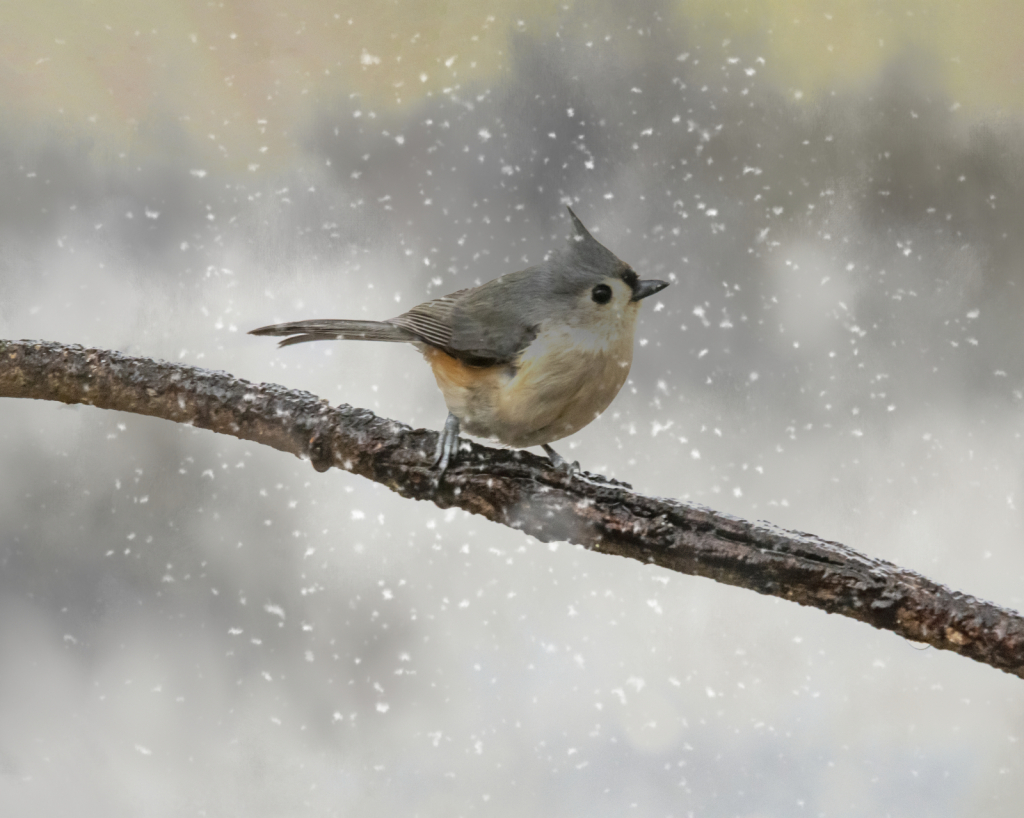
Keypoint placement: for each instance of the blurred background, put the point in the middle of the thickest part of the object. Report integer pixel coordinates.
(193, 625)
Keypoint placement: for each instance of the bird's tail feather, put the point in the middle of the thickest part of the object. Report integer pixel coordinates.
(335, 329)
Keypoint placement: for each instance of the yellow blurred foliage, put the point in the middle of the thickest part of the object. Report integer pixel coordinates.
(242, 77)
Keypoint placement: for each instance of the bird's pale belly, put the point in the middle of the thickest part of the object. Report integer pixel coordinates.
(555, 389)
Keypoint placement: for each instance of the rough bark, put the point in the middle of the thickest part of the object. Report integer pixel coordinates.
(522, 491)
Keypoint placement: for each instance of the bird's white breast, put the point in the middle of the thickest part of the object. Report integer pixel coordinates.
(565, 379)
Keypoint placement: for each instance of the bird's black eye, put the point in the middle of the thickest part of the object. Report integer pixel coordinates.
(602, 293)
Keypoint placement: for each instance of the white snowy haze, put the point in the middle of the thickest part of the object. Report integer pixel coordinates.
(194, 625)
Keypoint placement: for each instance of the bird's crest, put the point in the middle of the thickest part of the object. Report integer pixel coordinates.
(588, 252)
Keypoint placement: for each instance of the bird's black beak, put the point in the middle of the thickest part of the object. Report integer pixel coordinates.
(646, 288)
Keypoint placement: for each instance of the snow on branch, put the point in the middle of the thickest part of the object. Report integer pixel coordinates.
(523, 491)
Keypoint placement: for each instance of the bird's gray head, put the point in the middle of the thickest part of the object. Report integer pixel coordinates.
(586, 261)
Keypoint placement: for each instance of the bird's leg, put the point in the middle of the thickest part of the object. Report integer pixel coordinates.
(447, 445)
(560, 462)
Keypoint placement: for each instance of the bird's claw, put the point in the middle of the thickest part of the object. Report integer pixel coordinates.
(560, 463)
(447, 446)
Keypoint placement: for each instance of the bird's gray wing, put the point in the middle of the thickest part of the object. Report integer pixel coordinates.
(431, 321)
(482, 326)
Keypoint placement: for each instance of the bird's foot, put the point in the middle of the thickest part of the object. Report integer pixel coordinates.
(447, 446)
(560, 462)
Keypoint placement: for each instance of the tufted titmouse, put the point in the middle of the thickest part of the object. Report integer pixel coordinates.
(527, 358)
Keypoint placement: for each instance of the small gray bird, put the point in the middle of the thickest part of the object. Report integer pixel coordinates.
(528, 358)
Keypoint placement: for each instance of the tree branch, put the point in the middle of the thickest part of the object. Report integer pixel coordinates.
(522, 491)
